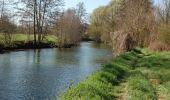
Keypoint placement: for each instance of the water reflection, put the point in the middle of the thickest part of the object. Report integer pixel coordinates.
(40, 74)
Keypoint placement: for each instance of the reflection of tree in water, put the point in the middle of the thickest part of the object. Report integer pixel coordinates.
(67, 56)
(5, 60)
(104, 59)
(5, 65)
(100, 45)
(36, 58)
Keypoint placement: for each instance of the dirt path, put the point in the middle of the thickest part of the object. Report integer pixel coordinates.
(161, 96)
(123, 92)
(160, 90)
(161, 93)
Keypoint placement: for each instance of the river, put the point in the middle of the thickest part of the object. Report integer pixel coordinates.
(45, 73)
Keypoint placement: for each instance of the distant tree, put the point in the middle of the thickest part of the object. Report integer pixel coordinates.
(161, 40)
(42, 13)
(5, 22)
(163, 11)
(136, 18)
(103, 21)
(81, 12)
(96, 24)
(69, 28)
(128, 20)
(26, 27)
(82, 15)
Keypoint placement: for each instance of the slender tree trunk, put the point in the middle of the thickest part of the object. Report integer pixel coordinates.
(35, 38)
(39, 22)
(43, 19)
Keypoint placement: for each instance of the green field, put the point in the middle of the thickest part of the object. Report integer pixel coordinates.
(136, 75)
(51, 39)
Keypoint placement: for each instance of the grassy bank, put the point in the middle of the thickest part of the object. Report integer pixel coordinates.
(22, 41)
(135, 75)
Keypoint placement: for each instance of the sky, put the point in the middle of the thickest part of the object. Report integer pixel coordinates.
(157, 1)
(89, 4)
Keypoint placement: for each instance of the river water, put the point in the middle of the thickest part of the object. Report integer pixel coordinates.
(45, 73)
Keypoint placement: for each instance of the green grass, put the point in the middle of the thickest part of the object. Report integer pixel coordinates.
(51, 39)
(136, 69)
(139, 87)
(22, 37)
(157, 66)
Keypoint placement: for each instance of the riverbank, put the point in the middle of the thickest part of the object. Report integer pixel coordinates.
(22, 41)
(135, 75)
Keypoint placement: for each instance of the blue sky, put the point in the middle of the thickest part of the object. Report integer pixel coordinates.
(89, 4)
(157, 1)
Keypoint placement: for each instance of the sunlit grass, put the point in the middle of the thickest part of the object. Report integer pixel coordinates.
(139, 87)
(157, 67)
(51, 39)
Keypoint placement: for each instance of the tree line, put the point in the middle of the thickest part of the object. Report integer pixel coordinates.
(126, 24)
(41, 18)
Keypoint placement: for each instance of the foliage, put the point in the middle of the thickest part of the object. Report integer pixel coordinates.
(102, 21)
(139, 87)
(126, 20)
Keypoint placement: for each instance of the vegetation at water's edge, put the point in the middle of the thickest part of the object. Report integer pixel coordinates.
(24, 41)
(136, 75)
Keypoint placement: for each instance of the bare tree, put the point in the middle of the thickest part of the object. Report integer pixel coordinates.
(81, 12)
(42, 12)
(69, 28)
(5, 21)
(163, 11)
(161, 40)
(135, 19)
(82, 15)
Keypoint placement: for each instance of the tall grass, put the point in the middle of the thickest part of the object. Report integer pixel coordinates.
(139, 87)
(157, 67)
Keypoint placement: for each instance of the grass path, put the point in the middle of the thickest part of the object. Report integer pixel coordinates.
(123, 95)
(156, 68)
(154, 78)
